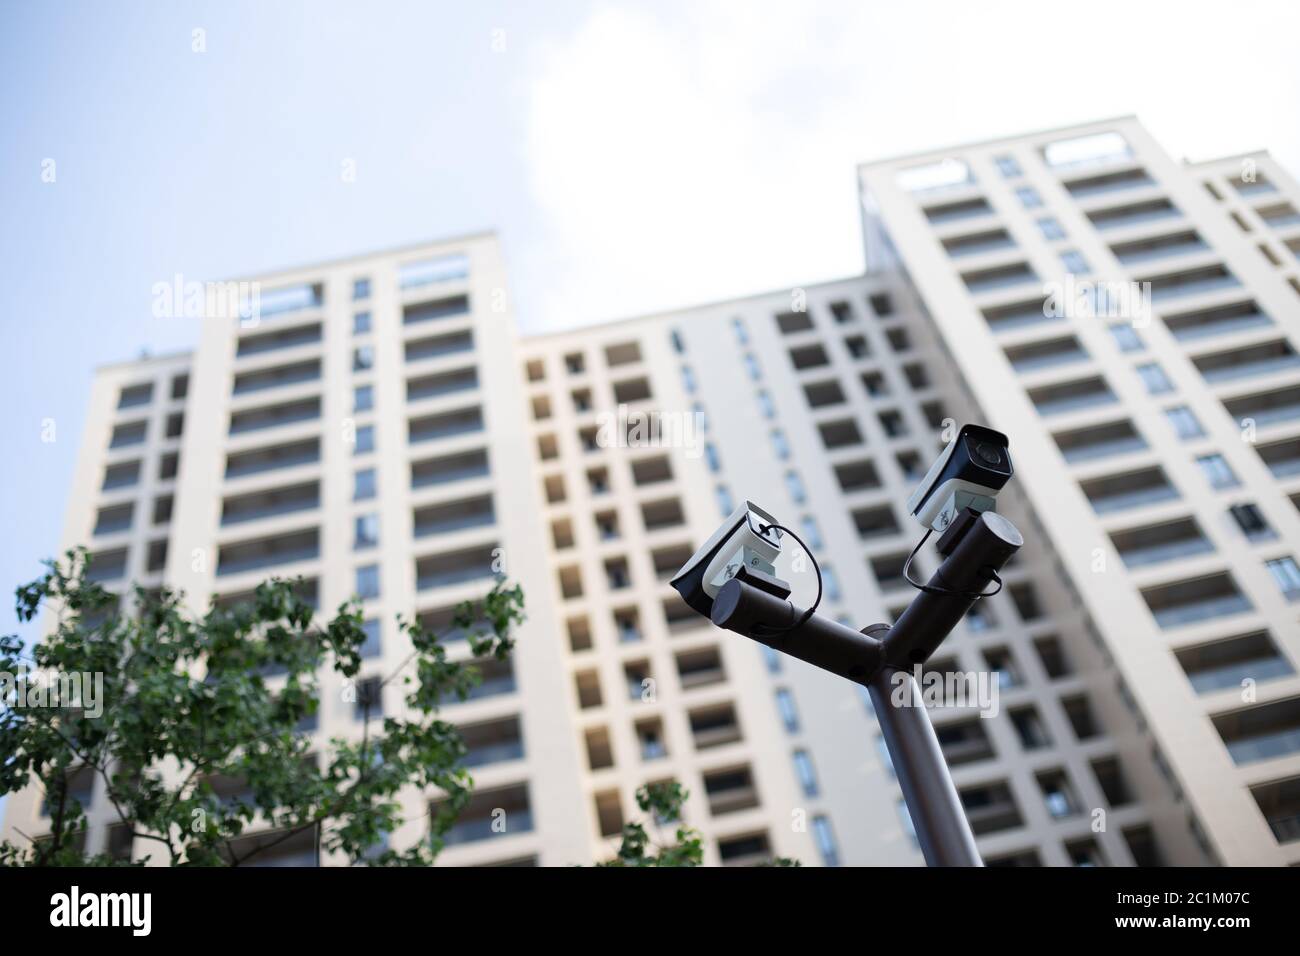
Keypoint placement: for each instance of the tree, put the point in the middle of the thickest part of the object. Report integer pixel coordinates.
(663, 803)
(198, 737)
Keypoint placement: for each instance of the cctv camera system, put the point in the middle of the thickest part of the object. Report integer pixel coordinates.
(745, 547)
(969, 473)
(731, 580)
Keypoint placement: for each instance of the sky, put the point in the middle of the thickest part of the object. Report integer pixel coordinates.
(631, 156)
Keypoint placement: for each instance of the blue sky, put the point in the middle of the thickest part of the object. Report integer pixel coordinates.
(632, 156)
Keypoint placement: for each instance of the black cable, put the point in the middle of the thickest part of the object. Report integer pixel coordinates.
(930, 589)
(767, 629)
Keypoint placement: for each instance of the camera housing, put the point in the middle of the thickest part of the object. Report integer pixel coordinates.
(968, 473)
(745, 546)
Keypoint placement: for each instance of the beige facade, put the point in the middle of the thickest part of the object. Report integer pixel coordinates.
(411, 454)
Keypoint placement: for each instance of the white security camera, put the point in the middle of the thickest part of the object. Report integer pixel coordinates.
(746, 546)
(969, 473)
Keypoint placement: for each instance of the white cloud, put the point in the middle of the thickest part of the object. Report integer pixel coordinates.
(678, 155)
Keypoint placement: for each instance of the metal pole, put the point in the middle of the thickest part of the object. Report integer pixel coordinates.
(932, 801)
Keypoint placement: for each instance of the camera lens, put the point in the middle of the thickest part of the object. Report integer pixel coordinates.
(990, 453)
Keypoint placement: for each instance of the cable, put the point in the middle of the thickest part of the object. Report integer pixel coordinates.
(931, 589)
(766, 629)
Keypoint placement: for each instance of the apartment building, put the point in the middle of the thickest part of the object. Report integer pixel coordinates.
(381, 431)
(1156, 439)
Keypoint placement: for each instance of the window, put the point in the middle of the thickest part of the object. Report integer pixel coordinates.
(1126, 337)
(711, 455)
(803, 769)
(361, 288)
(1051, 228)
(725, 503)
(785, 706)
(367, 531)
(372, 647)
(363, 487)
(751, 366)
(780, 445)
(369, 703)
(688, 379)
(1184, 421)
(771, 659)
(360, 323)
(575, 363)
(765, 404)
(1074, 262)
(881, 304)
(812, 534)
(363, 357)
(1217, 471)
(1007, 166)
(363, 398)
(678, 345)
(1029, 197)
(365, 440)
(1154, 378)
(1287, 575)
(826, 841)
(830, 584)
(794, 484)
(1251, 520)
(742, 334)
(368, 581)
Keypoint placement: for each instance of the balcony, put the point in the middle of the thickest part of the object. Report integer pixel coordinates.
(274, 416)
(492, 742)
(1266, 358)
(277, 377)
(454, 516)
(1279, 802)
(700, 668)
(1280, 216)
(272, 457)
(445, 383)
(1190, 282)
(449, 468)
(270, 503)
(1266, 408)
(1282, 458)
(1036, 356)
(268, 552)
(435, 310)
(1157, 544)
(730, 790)
(1108, 182)
(1071, 396)
(990, 808)
(488, 815)
(957, 211)
(964, 742)
(1221, 320)
(1099, 441)
(1225, 664)
(1018, 315)
(1002, 277)
(437, 346)
(281, 339)
(1265, 732)
(1193, 601)
(714, 726)
(977, 243)
(1159, 247)
(1120, 217)
(463, 421)
(456, 567)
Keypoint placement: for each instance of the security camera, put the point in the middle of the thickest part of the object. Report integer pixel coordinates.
(746, 547)
(969, 473)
